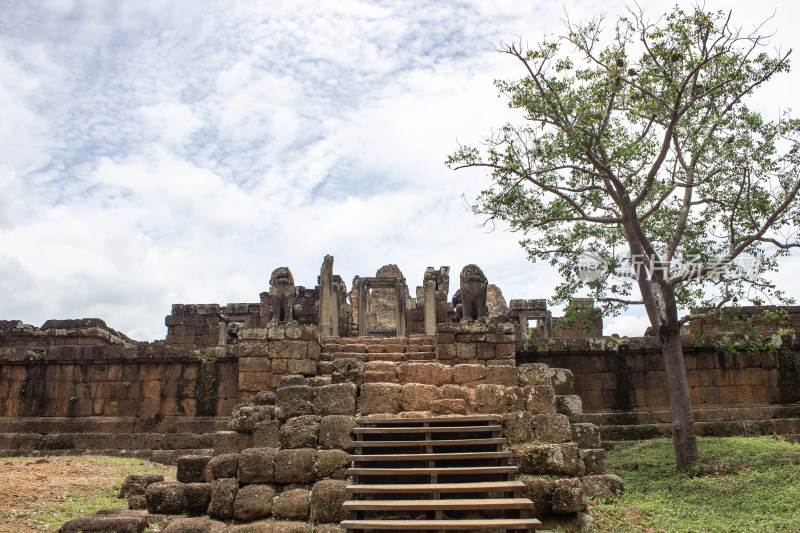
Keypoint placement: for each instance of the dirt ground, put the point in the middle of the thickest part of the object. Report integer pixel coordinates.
(27, 483)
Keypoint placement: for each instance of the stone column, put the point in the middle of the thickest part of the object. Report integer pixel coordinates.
(361, 292)
(326, 297)
(430, 306)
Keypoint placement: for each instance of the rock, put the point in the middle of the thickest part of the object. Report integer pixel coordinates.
(347, 370)
(196, 497)
(265, 434)
(222, 466)
(570, 405)
(428, 373)
(295, 466)
(498, 399)
(292, 380)
(585, 435)
(338, 399)
(195, 525)
(265, 397)
(469, 374)
(379, 398)
(300, 432)
(418, 396)
(535, 374)
(272, 526)
(327, 497)
(137, 501)
(292, 504)
(568, 496)
(257, 465)
(246, 416)
(164, 498)
(540, 492)
(223, 494)
(518, 427)
(594, 461)
(292, 401)
(136, 484)
(335, 431)
(551, 428)
(332, 463)
(252, 502)
(604, 488)
(539, 399)
(192, 468)
(547, 459)
(563, 380)
(105, 524)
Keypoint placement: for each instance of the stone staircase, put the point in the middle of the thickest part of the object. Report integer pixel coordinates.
(434, 474)
(414, 348)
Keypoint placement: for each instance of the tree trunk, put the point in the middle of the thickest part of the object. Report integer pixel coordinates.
(680, 403)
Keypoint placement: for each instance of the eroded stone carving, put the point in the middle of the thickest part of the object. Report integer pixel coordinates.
(473, 293)
(282, 290)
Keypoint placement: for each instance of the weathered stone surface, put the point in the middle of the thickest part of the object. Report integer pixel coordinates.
(192, 468)
(449, 406)
(327, 497)
(379, 398)
(222, 466)
(428, 373)
(539, 399)
(469, 374)
(418, 396)
(272, 526)
(335, 431)
(502, 375)
(540, 492)
(348, 370)
(535, 374)
(266, 397)
(498, 399)
(293, 401)
(295, 466)
(563, 381)
(300, 432)
(135, 484)
(246, 416)
(196, 497)
(570, 405)
(332, 463)
(223, 494)
(257, 465)
(605, 487)
(551, 428)
(568, 496)
(337, 399)
(292, 504)
(195, 525)
(164, 498)
(518, 427)
(137, 501)
(572, 522)
(594, 461)
(547, 459)
(291, 380)
(585, 435)
(105, 524)
(252, 502)
(265, 434)
(329, 528)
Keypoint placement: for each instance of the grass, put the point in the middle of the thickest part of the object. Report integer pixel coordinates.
(742, 484)
(50, 515)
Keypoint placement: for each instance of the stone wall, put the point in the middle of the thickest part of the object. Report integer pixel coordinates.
(485, 342)
(628, 374)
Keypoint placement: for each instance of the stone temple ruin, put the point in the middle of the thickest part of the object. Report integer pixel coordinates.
(370, 409)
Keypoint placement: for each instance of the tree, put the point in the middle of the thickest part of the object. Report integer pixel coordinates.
(640, 154)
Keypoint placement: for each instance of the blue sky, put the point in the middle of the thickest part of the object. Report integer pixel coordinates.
(177, 152)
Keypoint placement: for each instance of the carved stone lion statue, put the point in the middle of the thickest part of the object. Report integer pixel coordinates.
(473, 293)
(282, 290)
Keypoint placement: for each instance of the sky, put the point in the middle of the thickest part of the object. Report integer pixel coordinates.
(160, 152)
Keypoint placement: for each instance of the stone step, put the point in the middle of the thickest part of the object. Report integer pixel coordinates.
(113, 424)
(482, 487)
(394, 357)
(723, 428)
(523, 524)
(701, 414)
(455, 504)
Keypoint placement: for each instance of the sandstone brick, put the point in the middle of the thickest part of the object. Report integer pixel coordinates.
(539, 399)
(223, 494)
(300, 432)
(427, 373)
(585, 435)
(335, 431)
(594, 461)
(292, 504)
(469, 374)
(195, 525)
(332, 464)
(222, 466)
(253, 502)
(306, 367)
(196, 497)
(551, 428)
(295, 466)
(379, 398)
(327, 497)
(449, 406)
(465, 351)
(603, 488)
(518, 427)
(535, 374)
(418, 396)
(265, 434)
(257, 465)
(293, 401)
(336, 399)
(164, 498)
(568, 496)
(547, 459)
(502, 375)
(192, 468)
(498, 399)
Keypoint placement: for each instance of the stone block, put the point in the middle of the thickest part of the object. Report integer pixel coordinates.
(98, 524)
(348, 369)
(335, 431)
(337, 399)
(292, 504)
(292, 380)
(377, 398)
(273, 526)
(570, 405)
(551, 428)
(605, 488)
(540, 492)
(465, 351)
(223, 494)
(535, 374)
(300, 432)
(222, 466)
(136, 484)
(484, 351)
(327, 497)
(518, 427)
(253, 502)
(293, 401)
(192, 468)
(547, 459)
(446, 352)
(449, 406)
(428, 373)
(568, 496)
(332, 464)
(257, 465)
(418, 396)
(164, 498)
(286, 349)
(539, 399)
(563, 381)
(498, 399)
(195, 525)
(196, 497)
(469, 374)
(306, 367)
(295, 466)
(265, 434)
(585, 435)
(502, 375)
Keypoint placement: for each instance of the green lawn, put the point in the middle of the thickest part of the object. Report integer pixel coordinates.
(745, 484)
